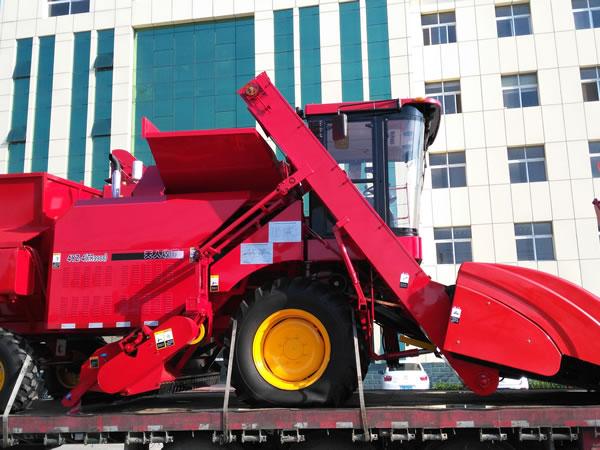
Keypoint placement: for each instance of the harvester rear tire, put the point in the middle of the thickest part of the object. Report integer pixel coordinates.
(13, 351)
(336, 379)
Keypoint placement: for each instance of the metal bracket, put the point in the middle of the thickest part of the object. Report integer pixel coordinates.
(434, 435)
(7, 441)
(291, 436)
(367, 435)
(253, 436)
(226, 437)
(563, 434)
(53, 440)
(492, 435)
(95, 438)
(532, 434)
(153, 437)
(403, 435)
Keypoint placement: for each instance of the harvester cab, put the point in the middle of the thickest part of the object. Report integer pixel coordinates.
(381, 146)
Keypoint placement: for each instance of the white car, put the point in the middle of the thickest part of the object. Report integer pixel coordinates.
(405, 375)
(513, 383)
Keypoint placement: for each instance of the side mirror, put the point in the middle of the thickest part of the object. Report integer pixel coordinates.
(340, 127)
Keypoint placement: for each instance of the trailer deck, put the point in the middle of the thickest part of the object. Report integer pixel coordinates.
(202, 410)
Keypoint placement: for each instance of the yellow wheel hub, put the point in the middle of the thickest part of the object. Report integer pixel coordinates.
(2, 376)
(291, 349)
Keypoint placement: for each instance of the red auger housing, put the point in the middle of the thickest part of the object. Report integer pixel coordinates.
(292, 249)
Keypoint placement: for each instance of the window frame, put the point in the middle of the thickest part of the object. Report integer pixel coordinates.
(520, 88)
(594, 158)
(590, 15)
(590, 81)
(533, 237)
(444, 94)
(512, 17)
(437, 26)
(527, 160)
(446, 168)
(70, 3)
(453, 240)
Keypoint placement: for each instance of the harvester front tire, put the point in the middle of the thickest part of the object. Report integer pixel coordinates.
(308, 304)
(13, 351)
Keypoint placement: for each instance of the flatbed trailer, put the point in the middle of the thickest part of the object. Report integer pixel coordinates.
(529, 419)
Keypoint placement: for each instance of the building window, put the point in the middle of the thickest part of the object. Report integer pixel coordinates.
(526, 164)
(453, 245)
(65, 7)
(448, 170)
(534, 241)
(513, 20)
(590, 83)
(439, 28)
(595, 158)
(586, 13)
(520, 91)
(447, 93)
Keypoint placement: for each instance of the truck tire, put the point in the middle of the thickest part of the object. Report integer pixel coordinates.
(295, 346)
(13, 351)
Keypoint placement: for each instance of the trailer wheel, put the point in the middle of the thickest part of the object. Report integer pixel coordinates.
(295, 346)
(13, 351)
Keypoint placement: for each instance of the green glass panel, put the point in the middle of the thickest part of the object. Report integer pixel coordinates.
(16, 158)
(102, 111)
(23, 63)
(378, 50)
(350, 39)
(43, 105)
(187, 76)
(100, 151)
(284, 53)
(310, 55)
(18, 128)
(79, 106)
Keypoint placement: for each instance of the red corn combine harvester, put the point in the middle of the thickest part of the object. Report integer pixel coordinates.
(217, 230)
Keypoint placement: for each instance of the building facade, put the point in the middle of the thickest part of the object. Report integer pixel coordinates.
(511, 176)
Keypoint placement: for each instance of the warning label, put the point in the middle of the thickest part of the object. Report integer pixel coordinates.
(164, 338)
(55, 260)
(214, 283)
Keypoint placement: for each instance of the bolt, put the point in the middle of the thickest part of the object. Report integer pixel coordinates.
(251, 90)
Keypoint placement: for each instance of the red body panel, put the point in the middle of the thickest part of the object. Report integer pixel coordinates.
(140, 269)
(540, 314)
(236, 266)
(16, 272)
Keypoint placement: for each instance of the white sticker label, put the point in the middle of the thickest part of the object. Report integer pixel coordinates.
(256, 253)
(404, 279)
(455, 314)
(164, 338)
(285, 231)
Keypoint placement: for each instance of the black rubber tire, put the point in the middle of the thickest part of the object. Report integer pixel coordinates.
(338, 381)
(82, 349)
(13, 351)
